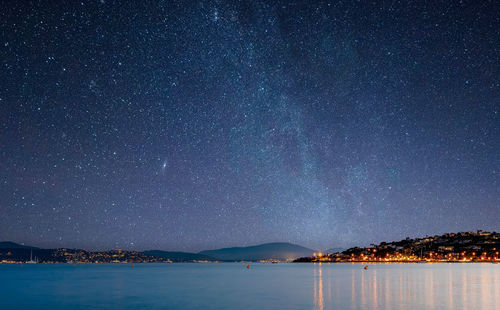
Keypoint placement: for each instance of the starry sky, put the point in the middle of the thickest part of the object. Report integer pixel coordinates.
(190, 125)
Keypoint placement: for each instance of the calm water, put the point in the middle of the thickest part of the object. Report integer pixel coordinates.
(263, 286)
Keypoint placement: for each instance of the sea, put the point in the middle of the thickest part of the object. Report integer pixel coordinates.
(261, 286)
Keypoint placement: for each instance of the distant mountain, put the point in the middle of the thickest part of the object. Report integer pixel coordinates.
(278, 251)
(178, 256)
(13, 245)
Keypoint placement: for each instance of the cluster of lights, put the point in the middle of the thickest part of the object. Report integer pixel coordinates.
(399, 257)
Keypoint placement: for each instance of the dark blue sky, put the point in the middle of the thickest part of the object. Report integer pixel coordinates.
(194, 125)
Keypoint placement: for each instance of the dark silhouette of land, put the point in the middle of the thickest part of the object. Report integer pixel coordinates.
(11, 252)
(179, 256)
(270, 251)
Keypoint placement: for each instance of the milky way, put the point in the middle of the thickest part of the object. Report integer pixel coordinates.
(194, 125)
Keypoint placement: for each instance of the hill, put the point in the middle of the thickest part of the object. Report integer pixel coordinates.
(13, 245)
(178, 256)
(480, 246)
(278, 251)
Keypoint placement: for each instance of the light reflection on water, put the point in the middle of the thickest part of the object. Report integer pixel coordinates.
(319, 303)
(263, 286)
(408, 286)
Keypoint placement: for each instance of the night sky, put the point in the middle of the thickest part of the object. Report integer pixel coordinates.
(185, 125)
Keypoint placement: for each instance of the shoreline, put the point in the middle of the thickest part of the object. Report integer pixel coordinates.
(254, 262)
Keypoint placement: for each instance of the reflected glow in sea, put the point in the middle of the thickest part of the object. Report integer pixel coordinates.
(263, 286)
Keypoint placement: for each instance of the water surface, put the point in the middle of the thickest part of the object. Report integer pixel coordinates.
(263, 286)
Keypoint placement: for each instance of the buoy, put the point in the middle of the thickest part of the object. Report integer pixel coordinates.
(366, 267)
(248, 266)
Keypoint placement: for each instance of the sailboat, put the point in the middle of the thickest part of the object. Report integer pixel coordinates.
(31, 261)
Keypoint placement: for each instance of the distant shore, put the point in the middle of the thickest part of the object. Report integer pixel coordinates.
(252, 262)
(462, 247)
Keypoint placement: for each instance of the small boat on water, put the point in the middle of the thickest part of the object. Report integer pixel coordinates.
(366, 267)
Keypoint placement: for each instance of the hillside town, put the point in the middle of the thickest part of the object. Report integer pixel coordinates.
(62, 255)
(479, 246)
